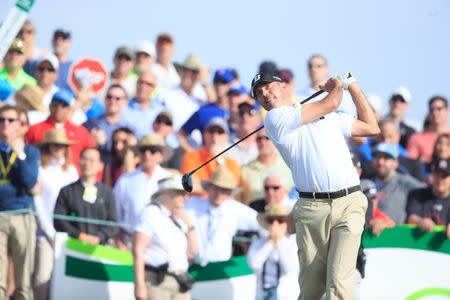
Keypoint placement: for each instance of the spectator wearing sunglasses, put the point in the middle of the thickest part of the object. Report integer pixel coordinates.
(143, 108)
(269, 161)
(14, 61)
(101, 128)
(122, 72)
(420, 145)
(249, 119)
(273, 257)
(134, 190)
(276, 192)
(163, 125)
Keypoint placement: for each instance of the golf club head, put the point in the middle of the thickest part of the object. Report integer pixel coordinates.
(186, 181)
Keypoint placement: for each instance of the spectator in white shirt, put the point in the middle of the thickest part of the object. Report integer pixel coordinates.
(219, 217)
(164, 241)
(55, 172)
(273, 258)
(134, 190)
(163, 68)
(276, 192)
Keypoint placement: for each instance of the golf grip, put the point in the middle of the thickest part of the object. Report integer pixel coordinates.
(251, 133)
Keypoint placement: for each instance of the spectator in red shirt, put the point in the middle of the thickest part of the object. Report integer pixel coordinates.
(60, 112)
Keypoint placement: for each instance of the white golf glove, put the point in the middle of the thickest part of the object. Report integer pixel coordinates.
(345, 79)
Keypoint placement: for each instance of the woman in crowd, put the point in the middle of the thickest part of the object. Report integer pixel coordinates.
(163, 243)
(55, 172)
(273, 257)
(123, 158)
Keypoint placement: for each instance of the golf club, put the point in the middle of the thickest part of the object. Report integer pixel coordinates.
(186, 180)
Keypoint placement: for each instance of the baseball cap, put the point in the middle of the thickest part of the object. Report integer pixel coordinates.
(263, 78)
(403, 92)
(237, 89)
(64, 96)
(223, 76)
(147, 47)
(248, 107)
(441, 165)
(18, 45)
(125, 51)
(286, 75)
(369, 188)
(51, 58)
(217, 122)
(61, 33)
(164, 37)
(386, 148)
(164, 117)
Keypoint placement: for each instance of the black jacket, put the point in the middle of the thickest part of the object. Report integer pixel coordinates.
(70, 202)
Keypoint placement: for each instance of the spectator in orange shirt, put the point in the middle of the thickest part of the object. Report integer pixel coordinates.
(215, 139)
(60, 112)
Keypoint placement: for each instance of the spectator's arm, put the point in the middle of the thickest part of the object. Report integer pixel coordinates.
(107, 232)
(62, 208)
(140, 242)
(258, 253)
(27, 170)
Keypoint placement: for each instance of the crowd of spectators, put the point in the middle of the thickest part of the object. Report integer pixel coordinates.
(106, 155)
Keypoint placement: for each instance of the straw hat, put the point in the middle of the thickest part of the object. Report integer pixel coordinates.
(170, 184)
(56, 136)
(192, 62)
(154, 139)
(275, 210)
(29, 97)
(222, 178)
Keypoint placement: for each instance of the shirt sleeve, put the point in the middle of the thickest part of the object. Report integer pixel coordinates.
(146, 221)
(345, 123)
(281, 121)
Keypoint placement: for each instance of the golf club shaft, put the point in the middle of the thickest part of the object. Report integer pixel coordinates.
(250, 134)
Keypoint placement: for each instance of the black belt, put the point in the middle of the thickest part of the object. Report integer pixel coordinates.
(162, 268)
(330, 195)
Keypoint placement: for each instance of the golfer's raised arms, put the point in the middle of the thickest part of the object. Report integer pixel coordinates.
(365, 123)
(313, 111)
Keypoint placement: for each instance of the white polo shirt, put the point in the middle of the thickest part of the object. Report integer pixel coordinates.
(133, 192)
(316, 153)
(168, 243)
(216, 226)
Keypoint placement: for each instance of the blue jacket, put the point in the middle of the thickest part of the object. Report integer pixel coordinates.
(22, 178)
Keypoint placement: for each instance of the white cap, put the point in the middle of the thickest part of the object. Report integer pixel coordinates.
(375, 102)
(404, 92)
(51, 58)
(146, 47)
(172, 183)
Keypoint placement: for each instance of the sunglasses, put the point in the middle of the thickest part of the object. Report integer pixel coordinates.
(149, 84)
(7, 120)
(56, 103)
(272, 187)
(280, 220)
(152, 149)
(42, 69)
(215, 131)
(317, 66)
(58, 146)
(260, 138)
(124, 57)
(112, 97)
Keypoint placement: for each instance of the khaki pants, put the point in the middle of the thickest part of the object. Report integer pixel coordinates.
(328, 237)
(43, 268)
(18, 232)
(166, 290)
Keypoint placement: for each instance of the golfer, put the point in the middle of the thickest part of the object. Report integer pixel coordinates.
(329, 215)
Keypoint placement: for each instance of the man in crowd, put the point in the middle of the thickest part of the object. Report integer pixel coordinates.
(217, 219)
(163, 68)
(420, 145)
(398, 105)
(430, 206)
(47, 71)
(62, 41)
(145, 53)
(393, 185)
(19, 170)
(276, 191)
(144, 107)
(87, 198)
(268, 161)
(122, 73)
(60, 111)
(13, 70)
(134, 190)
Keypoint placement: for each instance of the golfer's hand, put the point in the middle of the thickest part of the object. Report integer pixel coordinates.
(346, 79)
(332, 84)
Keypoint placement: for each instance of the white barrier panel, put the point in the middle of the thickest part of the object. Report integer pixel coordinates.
(403, 263)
